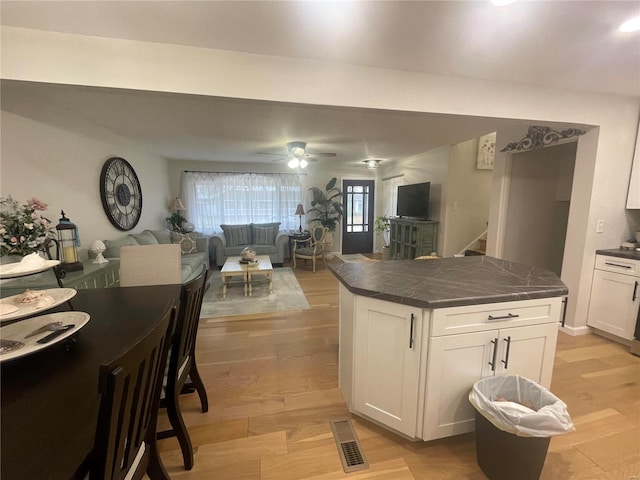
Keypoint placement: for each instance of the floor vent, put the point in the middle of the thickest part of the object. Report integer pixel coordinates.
(348, 446)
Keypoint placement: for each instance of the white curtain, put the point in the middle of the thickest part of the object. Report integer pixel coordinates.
(214, 198)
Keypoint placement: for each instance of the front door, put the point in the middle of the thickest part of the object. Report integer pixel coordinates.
(357, 227)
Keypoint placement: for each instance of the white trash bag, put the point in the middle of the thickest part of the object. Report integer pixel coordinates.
(520, 406)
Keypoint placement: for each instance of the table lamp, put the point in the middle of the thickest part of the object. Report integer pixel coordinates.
(300, 212)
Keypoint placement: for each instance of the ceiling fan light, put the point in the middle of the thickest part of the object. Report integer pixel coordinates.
(293, 163)
(297, 148)
(372, 163)
(303, 163)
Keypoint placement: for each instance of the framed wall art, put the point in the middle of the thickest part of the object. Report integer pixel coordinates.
(486, 151)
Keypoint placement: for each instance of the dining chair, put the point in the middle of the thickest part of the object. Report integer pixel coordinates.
(312, 248)
(142, 265)
(130, 386)
(182, 365)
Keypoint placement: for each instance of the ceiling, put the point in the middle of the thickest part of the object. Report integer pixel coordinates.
(564, 44)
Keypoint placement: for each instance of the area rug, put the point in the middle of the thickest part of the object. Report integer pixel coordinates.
(286, 295)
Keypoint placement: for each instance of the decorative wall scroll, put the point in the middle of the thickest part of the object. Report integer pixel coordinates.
(486, 151)
(538, 137)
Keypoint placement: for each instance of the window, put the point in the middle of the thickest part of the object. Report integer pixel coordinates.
(214, 198)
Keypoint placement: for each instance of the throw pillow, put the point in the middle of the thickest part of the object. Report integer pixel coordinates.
(264, 234)
(113, 246)
(187, 242)
(236, 235)
(163, 237)
(145, 238)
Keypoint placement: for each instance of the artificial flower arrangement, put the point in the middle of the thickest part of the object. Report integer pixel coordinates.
(23, 229)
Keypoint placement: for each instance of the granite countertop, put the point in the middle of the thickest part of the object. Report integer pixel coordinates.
(619, 252)
(448, 282)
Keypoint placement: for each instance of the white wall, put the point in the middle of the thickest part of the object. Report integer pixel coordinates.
(468, 197)
(603, 160)
(539, 193)
(51, 155)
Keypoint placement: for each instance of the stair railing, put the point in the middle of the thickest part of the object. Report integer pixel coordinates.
(473, 242)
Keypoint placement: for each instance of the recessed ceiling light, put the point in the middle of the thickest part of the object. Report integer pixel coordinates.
(631, 25)
(502, 3)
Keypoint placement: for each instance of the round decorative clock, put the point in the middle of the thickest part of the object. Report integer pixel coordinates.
(120, 193)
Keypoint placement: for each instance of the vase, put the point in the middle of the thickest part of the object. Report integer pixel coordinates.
(386, 253)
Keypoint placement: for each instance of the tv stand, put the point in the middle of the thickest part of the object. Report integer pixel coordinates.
(411, 238)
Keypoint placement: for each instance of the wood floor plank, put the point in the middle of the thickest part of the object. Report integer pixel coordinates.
(272, 382)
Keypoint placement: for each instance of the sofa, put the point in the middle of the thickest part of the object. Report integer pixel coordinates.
(195, 250)
(264, 238)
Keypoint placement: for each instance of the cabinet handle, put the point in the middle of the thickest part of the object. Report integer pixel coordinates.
(509, 315)
(495, 352)
(617, 265)
(411, 332)
(506, 357)
(635, 291)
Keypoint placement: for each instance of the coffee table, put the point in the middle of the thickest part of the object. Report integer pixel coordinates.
(233, 268)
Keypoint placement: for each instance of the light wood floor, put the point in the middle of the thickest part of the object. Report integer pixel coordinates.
(272, 386)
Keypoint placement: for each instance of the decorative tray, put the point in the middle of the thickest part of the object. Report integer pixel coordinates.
(13, 270)
(11, 308)
(18, 339)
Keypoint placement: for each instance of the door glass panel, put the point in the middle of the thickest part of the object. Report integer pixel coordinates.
(357, 208)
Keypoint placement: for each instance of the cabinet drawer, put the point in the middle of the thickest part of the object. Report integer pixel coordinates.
(626, 266)
(476, 318)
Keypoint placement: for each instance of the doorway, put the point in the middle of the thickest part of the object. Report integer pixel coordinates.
(357, 227)
(538, 206)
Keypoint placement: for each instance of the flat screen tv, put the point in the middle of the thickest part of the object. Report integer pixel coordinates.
(413, 200)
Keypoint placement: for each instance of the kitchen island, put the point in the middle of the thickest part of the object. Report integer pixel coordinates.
(415, 335)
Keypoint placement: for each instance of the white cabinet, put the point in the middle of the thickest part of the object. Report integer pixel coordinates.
(615, 296)
(411, 369)
(387, 346)
(492, 345)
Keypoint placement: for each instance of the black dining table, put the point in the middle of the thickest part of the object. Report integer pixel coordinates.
(50, 400)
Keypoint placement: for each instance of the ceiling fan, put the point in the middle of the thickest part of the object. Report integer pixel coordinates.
(298, 155)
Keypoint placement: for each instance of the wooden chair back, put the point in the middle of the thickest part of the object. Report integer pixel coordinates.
(125, 442)
(184, 339)
(182, 365)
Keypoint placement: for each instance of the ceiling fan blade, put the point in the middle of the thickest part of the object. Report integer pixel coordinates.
(271, 153)
(322, 154)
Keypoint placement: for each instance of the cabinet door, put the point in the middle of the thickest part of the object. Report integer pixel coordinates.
(614, 302)
(528, 352)
(456, 362)
(387, 353)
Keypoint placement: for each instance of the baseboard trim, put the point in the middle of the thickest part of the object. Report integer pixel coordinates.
(575, 331)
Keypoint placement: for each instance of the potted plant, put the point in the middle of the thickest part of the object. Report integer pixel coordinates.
(383, 226)
(327, 205)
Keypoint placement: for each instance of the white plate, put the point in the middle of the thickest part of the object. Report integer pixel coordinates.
(19, 330)
(59, 295)
(11, 270)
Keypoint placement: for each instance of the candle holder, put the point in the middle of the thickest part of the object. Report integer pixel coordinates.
(68, 242)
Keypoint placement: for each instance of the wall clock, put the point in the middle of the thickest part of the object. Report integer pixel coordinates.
(120, 193)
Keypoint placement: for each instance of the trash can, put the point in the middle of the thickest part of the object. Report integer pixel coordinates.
(515, 419)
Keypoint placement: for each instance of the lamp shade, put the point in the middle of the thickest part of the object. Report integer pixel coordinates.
(177, 205)
(299, 210)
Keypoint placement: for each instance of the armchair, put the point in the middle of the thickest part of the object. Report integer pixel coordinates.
(311, 248)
